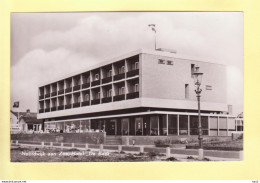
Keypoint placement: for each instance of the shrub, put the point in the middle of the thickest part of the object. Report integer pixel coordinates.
(172, 159)
(190, 157)
(241, 136)
(165, 142)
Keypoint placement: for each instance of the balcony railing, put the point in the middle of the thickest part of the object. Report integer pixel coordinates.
(41, 111)
(47, 95)
(68, 106)
(95, 83)
(106, 99)
(119, 76)
(41, 97)
(54, 108)
(85, 85)
(47, 109)
(132, 95)
(75, 88)
(119, 97)
(54, 93)
(85, 103)
(60, 92)
(61, 107)
(132, 73)
(76, 105)
(106, 80)
(67, 90)
(95, 101)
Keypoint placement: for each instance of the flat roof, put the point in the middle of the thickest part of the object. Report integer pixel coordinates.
(121, 57)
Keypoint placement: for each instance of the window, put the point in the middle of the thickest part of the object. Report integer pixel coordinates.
(136, 66)
(192, 69)
(136, 88)
(79, 82)
(54, 103)
(109, 73)
(139, 126)
(98, 95)
(122, 91)
(186, 91)
(109, 93)
(169, 62)
(122, 70)
(208, 87)
(78, 98)
(87, 97)
(154, 121)
(96, 76)
(161, 61)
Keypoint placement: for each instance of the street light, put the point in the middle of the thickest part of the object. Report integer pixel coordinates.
(197, 76)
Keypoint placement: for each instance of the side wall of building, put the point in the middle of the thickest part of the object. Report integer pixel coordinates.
(163, 81)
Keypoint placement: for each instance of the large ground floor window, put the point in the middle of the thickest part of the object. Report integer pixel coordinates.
(150, 125)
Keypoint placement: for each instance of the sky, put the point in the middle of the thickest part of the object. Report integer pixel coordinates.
(47, 46)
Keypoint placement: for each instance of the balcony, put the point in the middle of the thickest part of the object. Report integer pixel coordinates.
(95, 83)
(61, 107)
(67, 90)
(132, 95)
(54, 108)
(106, 99)
(85, 103)
(41, 97)
(119, 76)
(132, 73)
(95, 101)
(107, 80)
(85, 85)
(68, 106)
(47, 95)
(60, 92)
(76, 105)
(47, 109)
(75, 88)
(119, 97)
(41, 111)
(54, 93)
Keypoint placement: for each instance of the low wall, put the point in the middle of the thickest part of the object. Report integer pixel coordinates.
(89, 137)
(149, 140)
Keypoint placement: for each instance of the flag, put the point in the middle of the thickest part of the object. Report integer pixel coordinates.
(152, 27)
(16, 104)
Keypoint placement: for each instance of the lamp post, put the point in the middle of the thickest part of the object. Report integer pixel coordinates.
(197, 76)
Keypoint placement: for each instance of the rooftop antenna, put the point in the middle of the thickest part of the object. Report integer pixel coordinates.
(153, 29)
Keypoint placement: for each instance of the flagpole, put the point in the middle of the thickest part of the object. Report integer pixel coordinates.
(153, 29)
(155, 40)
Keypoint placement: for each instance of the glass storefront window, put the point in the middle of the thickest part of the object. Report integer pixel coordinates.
(76, 126)
(205, 125)
(154, 120)
(172, 124)
(85, 126)
(183, 120)
(139, 126)
(68, 127)
(125, 126)
(163, 125)
(194, 125)
(60, 127)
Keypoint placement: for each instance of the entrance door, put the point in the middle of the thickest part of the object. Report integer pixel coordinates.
(111, 127)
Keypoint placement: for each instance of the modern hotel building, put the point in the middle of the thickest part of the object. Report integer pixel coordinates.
(142, 93)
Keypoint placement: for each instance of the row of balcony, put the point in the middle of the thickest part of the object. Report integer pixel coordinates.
(93, 102)
(93, 83)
